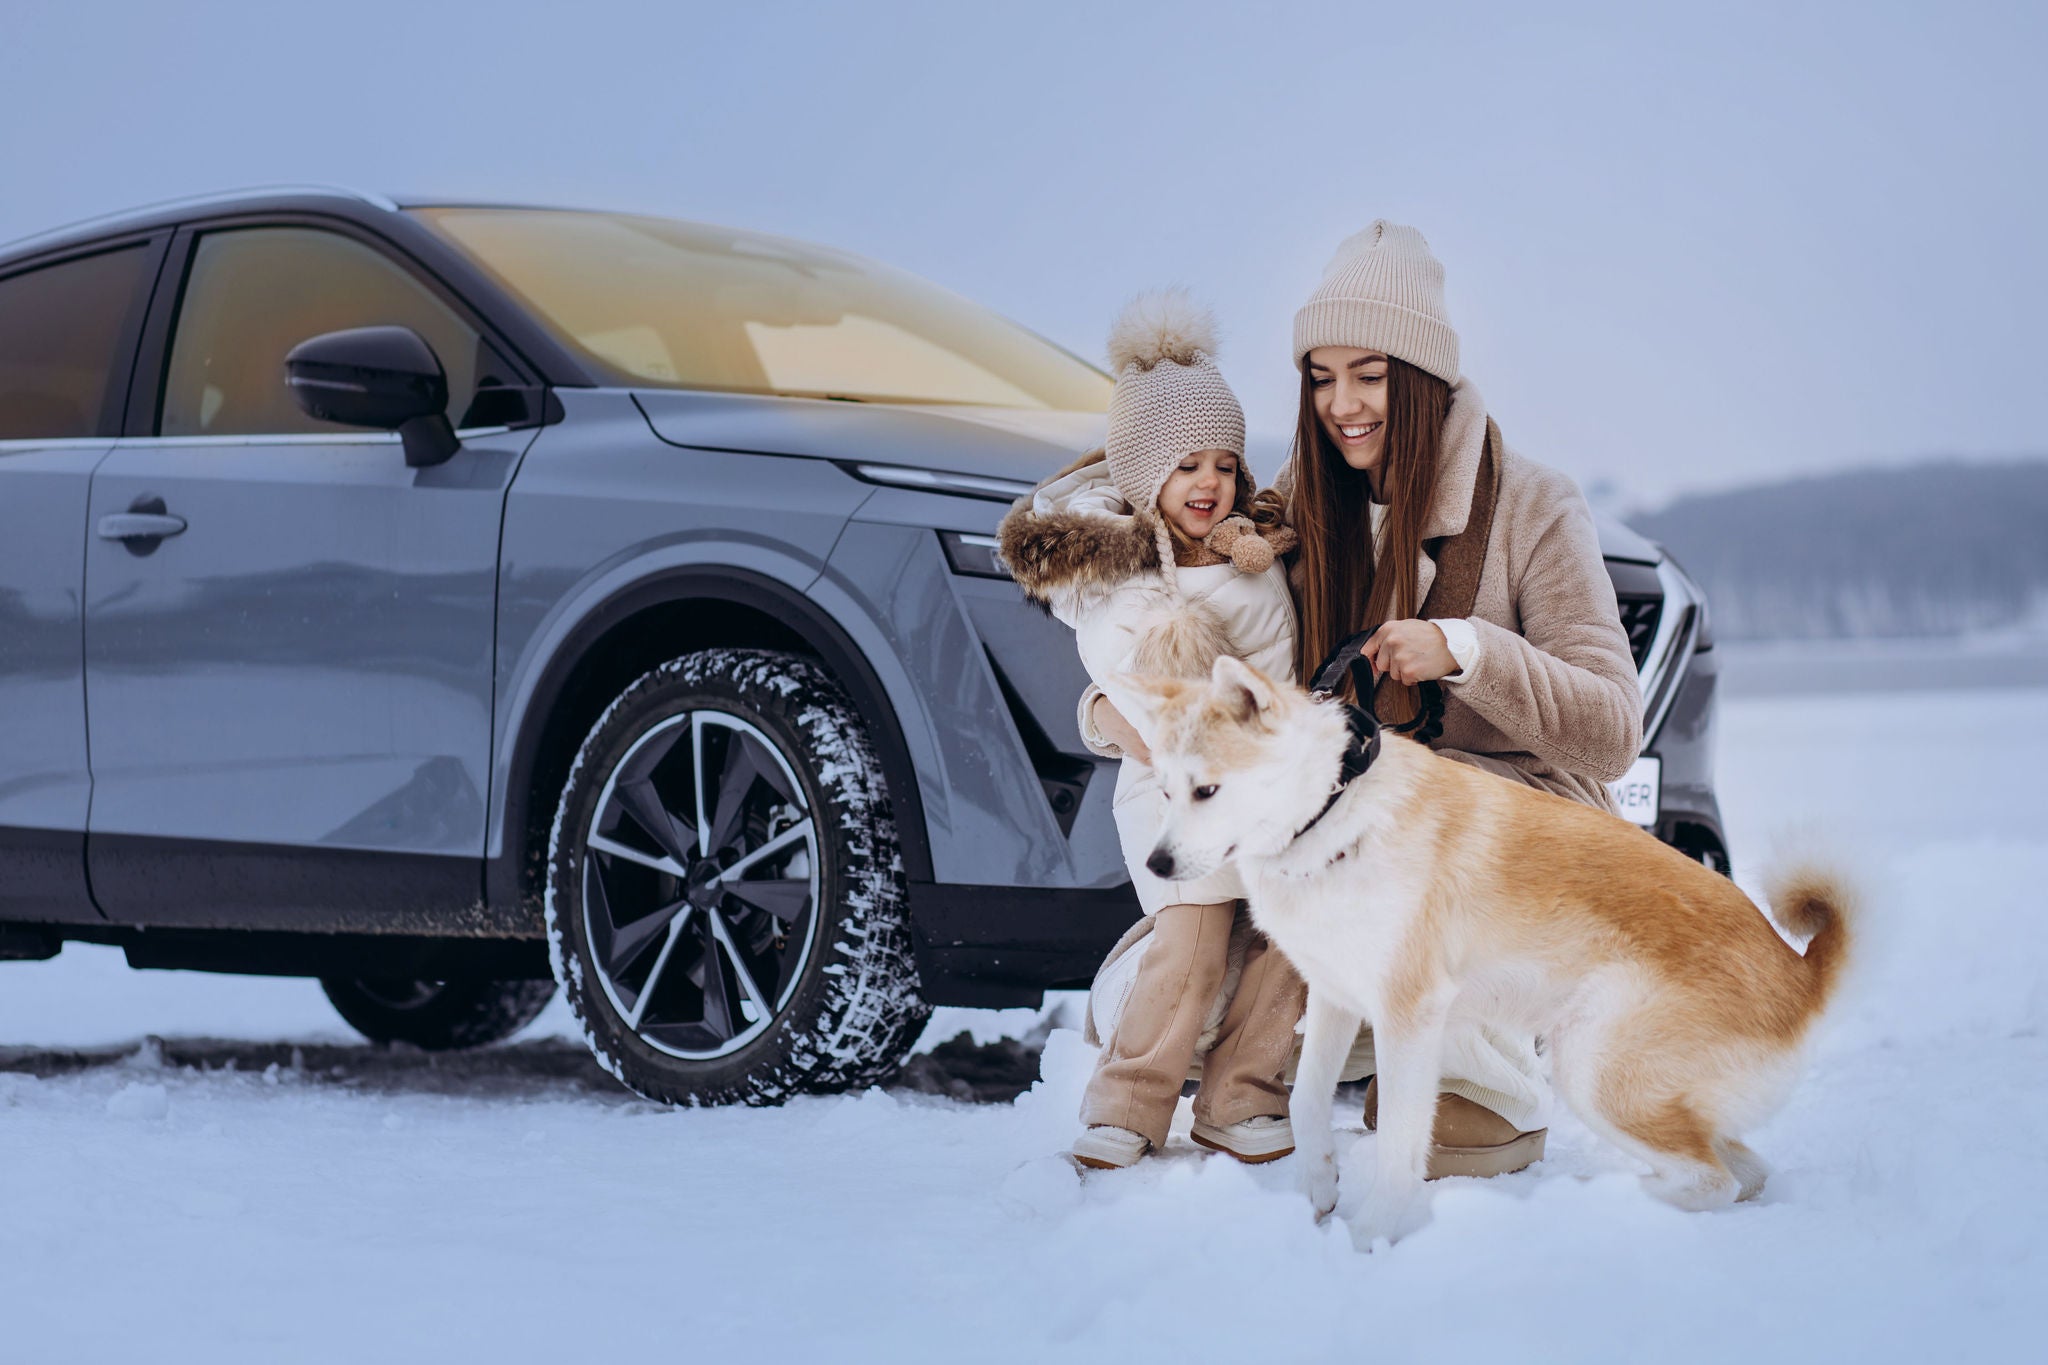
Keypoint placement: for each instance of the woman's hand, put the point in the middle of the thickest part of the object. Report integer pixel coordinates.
(1111, 725)
(1410, 652)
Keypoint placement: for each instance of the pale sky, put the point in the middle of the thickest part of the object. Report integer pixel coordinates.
(1686, 246)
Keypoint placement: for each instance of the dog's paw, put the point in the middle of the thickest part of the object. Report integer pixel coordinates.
(1368, 1235)
(1383, 1219)
(1318, 1182)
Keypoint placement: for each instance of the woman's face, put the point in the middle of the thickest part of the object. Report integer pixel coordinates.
(1199, 492)
(1350, 387)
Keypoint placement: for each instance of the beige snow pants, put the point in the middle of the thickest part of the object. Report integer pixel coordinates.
(1145, 1059)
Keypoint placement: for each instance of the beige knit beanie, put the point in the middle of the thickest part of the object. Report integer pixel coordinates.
(1170, 398)
(1382, 291)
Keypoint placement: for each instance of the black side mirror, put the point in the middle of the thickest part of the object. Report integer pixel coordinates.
(382, 377)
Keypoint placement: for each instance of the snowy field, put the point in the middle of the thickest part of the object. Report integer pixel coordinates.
(259, 1186)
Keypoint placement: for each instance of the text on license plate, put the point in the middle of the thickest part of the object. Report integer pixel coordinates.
(1636, 795)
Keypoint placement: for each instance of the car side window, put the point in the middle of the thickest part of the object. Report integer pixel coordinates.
(254, 293)
(60, 326)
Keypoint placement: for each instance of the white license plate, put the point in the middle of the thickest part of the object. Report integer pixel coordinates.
(1637, 793)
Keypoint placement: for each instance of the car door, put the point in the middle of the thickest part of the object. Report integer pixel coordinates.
(67, 332)
(288, 631)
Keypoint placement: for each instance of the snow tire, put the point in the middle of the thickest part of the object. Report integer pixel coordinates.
(850, 1012)
(440, 1016)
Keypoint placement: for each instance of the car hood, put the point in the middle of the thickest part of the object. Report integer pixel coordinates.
(1619, 542)
(993, 443)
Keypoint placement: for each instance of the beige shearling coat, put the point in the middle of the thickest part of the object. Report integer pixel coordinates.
(1552, 699)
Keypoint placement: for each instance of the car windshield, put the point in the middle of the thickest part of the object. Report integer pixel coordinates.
(656, 302)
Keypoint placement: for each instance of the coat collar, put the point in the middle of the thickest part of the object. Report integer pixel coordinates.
(1458, 470)
(1456, 476)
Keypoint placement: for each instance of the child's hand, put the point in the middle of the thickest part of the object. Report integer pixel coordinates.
(1111, 725)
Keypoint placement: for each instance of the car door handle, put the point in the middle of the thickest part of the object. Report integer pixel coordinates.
(143, 527)
(139, 526)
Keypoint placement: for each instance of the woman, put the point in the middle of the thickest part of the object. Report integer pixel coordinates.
(1482, 570)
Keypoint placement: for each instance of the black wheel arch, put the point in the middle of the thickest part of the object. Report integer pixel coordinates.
(664, 615)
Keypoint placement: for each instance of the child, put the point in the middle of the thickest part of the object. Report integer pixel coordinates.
(1141, 548)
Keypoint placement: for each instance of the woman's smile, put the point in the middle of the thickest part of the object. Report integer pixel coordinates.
(1349, 384)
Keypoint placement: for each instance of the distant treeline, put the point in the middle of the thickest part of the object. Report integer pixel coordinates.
(1932, 549)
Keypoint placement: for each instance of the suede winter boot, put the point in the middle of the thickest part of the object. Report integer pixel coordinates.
(1468, 1138)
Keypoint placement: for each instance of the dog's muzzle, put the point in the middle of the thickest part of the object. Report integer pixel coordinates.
(1160, 864)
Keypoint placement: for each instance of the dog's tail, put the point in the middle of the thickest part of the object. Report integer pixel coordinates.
(1817, 903)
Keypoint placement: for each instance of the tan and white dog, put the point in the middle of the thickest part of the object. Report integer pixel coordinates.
(1430, 893)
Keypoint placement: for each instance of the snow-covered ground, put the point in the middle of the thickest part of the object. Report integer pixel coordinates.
(260, 1187)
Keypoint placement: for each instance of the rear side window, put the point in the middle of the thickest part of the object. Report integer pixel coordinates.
(60, 326)
(254, 293)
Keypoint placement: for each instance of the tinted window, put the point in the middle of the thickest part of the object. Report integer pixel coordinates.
(681, 305)
(59, 328)
(254, 293)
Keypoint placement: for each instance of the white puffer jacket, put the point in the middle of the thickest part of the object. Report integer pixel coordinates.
(1078, 547)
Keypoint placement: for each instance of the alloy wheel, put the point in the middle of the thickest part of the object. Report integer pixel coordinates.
(701, 884)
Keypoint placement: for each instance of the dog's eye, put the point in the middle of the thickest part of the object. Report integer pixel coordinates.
(1204, 793)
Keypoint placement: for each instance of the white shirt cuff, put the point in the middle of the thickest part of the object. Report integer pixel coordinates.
(1464, 645)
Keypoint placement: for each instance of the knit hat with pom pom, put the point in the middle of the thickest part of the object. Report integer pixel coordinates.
(1170, 398)
(1382, 291)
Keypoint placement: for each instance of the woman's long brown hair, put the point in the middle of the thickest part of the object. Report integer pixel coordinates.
(1346, 586)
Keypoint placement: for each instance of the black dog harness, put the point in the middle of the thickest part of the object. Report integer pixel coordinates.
(1364, 745)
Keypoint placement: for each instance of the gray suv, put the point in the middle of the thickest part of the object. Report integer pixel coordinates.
(447, 601)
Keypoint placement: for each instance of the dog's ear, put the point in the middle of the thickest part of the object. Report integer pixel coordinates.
(1139, 699)
(1248, 692)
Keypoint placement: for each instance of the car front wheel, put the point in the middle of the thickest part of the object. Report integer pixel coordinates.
(726, 906)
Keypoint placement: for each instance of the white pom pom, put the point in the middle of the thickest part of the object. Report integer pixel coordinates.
(1163, 325)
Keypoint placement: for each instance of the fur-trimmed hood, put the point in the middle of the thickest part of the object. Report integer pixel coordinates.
(1076, 545)
(1075, 534)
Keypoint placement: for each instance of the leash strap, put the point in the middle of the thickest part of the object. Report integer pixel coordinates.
(1364, 745)
(1428, 725)
(1358, 756)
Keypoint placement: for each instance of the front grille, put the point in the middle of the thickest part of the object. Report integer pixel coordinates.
(1639, 618)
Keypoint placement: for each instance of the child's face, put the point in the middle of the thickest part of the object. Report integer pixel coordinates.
(1199, 492)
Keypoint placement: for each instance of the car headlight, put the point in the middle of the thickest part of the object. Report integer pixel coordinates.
(940, 481)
